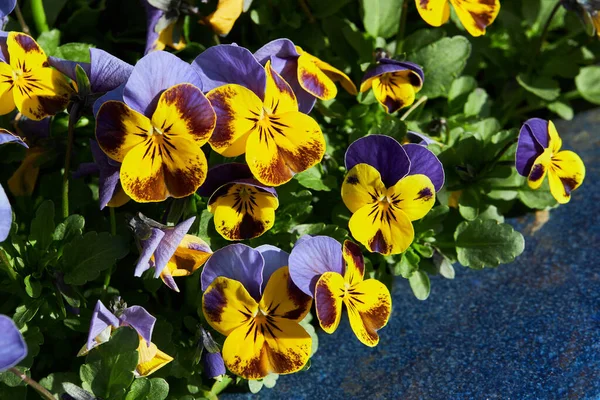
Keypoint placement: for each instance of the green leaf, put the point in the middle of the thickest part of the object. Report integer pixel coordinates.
(469, 204)
(477, 104)
(421, 38)
(108, 371)
(420, 285)
(322, 9)
(49, 41)
(543, 87)
(391, 127)
(409, 264)
(539, 199)
(33, 287)
(86, 256)
(381, 17)
(148, 389)
(79, 52)
(588, 83)
(442, 62)
(481, 243)
(459, 92)
(563, 110)
(83, 82)
(312, 179)
(71, 228)
(42, 226)
(25, 313)
(55, 381)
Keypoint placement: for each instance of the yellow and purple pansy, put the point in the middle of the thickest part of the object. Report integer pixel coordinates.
(539, 154)
(475, 15)
(389, 185)
(165, 19)
(309, 77)
(169, 250)
(243, 208)
(395, 83)
(250, 298)
(13, 348)
(257, 114)
(27, 81)
(335, 276)
(158, 128)
(104, 322)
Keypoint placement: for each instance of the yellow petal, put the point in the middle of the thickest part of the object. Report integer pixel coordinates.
(142, 173)
(41, 92)
(362, 186)
(151, 358)
(7, 102)
(355, 263)
(24, 52)
(414, 195)
(566, 174)
(227, 305)
(190, 255)
(279, 96)
(184, 165)
(23, 180)
(396, 90)
(434, 12)
(282, 298)
(314, 80)
(119, 198)
(554, 140)
(476, 15)
(329, 293)
(539, 169)
(165, 38)
(238, 110)
(224, 17)
(244, 212)
(369, 307)
(336, 75)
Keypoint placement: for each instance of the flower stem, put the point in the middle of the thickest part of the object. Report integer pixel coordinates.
(306, 10)
(73, 118)
(413, 108)
(9, 269)
(402, 27)
(38, 388)
(21, 20)
(39, 16)
(544, 35)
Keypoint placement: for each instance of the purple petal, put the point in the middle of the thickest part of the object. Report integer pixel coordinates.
(275, 258)
(312, 258)
(116, 94)
(139, 319)
(239, 262)
(381, 152)
(222, 174)
(419, 138)
(423, 161)
(282, 49)
(107, 72)
(303, 238)
(3, 47)
(101, 319)
(109, 174)
(7, 137)
(34, 130)
(5, 215)
(388, 66)
(226, 63)
(406, 64)
(154, 73)
(86, 169)
(149, 246)
(12, 345)
(68, 67)
(6, 7)
(533, 139)
(153, 14)
(170, 282)
(212, 364)
(169, 243)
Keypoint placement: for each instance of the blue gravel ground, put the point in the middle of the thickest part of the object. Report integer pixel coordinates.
(528, 330)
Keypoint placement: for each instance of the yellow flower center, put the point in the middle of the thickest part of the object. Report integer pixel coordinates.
(156, 131)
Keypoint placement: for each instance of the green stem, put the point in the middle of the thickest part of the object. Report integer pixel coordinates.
(9, 269)
(544, 35)
(413, 108)
(572, 95)
(73, 118)
(402, 27)
(39, 16)
(21, 20)
(38, 388)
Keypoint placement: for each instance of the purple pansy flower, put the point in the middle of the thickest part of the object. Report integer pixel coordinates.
(388, 186)
(12, 345)
(394, 83)
(243, 208)
(5, 209)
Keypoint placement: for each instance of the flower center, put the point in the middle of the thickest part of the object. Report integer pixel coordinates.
(156, 131)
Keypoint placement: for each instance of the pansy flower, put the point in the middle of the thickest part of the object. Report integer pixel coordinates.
(588, 11)
(157, 130)
(5, 208)
(27, 82)
(104, 322)
(395, 83)
(539, 154)
(321, 269)
(475, 15)
(6, 7)
(386, 188)
(170, 250)
(12, 345)
(213, 366)
(165, 23)
(257, 114)
(250, 298)
(243, 208)
(309, 77)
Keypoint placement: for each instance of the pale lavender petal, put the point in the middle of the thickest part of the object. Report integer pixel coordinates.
(5, 215)
(312, 258)
(109, 175)
(282, 49)
(381, 152)
(7, 137)
(275, 258)
(149, 246)
(101, 319)
(107, 72)
(423, 161)
(12, 345)
(153, 14)
(116, 95)
(533, 139)
(154, 73)
(213, 365)
(419, 138)
(139, 319)
(239, 262)
(227, 63)
(170, 282)
(302, 239)
(6, 7)
(169, 243)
